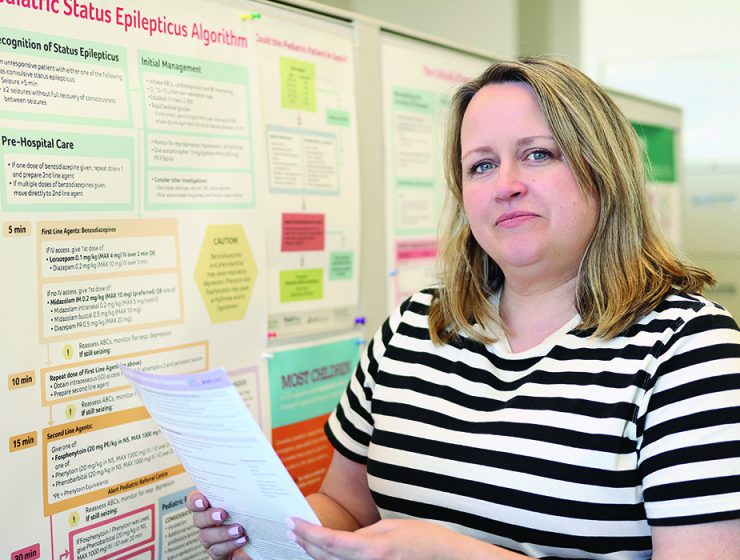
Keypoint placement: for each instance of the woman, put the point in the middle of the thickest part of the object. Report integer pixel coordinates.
(564, 393)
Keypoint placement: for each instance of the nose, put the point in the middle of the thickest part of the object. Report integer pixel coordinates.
(509, 182)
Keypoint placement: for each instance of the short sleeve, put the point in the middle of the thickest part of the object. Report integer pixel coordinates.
(350, 426)
(689, 423)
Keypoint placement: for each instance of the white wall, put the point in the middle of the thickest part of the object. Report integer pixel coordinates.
(634, 29)
(686, 53)
(680, 51)
(485, 25)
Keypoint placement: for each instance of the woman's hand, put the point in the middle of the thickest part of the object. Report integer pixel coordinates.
(392, 539)
(222, 542)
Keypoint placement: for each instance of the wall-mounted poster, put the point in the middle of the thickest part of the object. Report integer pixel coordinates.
(418, 82)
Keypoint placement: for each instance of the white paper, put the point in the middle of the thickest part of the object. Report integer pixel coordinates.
(227, 456)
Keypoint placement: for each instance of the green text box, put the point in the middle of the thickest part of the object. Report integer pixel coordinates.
(62, 48)
(301, 285)
(337, 118)
(341, 265)
(659, 150)
(308, 382)
(99, 149)
(152, 62)
(416, 183)
(297, 84)
(415, 101)
(54, 47)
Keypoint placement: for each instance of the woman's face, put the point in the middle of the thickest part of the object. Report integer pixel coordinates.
(522, 201)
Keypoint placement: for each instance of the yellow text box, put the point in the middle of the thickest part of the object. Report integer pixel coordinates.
(21, 380)
(22, 441)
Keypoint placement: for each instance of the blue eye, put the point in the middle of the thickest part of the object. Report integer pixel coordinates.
(482, 167)
(538, 155)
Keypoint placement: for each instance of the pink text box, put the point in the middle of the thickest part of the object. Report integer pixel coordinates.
(33, 551)
(122, 527)
(303, 232)
(408, 250)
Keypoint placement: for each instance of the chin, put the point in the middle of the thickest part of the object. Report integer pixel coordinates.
(518, 258)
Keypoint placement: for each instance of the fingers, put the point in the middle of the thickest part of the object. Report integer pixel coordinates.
(212, 517)
(222, 540)
(203, 514)
(219, 540)
(220, 548)
(323, 544)
(196, 501)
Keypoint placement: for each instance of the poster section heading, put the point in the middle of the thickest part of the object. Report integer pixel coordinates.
(125, 18)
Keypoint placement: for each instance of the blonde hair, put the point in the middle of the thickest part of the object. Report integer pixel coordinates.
(628, 267)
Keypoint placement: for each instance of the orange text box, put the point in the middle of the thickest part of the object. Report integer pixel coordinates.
(305, 451)
(107, 276)
(16, 229)
(93, 459)
(22, 441)
(21, 380)
(95, 377)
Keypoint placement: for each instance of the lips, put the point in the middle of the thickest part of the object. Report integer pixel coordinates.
(511, 219)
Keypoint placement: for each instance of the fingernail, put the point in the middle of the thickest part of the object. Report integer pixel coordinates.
(216, 516)
(200, 504)
(291, 535)
(289, 523)
(242, 540)
(234, 531)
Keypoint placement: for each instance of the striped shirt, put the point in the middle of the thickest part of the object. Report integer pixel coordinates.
(571, 449)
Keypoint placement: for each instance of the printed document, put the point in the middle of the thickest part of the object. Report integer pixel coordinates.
(227, 456)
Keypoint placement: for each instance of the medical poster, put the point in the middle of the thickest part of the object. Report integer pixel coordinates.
(133, 231)
(659, 150)
(308, 111)
(658, 127)
(306, 382)
(418, 81)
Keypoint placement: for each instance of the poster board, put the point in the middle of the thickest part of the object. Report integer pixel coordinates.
(307, 83)
(145, 223)
(418, 80)
(711, 229)
(133, 204)
(659, 129)
(145, 215)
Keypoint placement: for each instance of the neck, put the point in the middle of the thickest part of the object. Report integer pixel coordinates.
(531, 314)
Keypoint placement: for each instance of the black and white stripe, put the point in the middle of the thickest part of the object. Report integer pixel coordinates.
(571, 449)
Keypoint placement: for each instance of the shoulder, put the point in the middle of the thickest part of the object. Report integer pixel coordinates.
(410, 318)
(698, 344)
(415, 306)
(694, 315)
(684, 314)
(688, 421)
(681, 329)
(689, 304)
